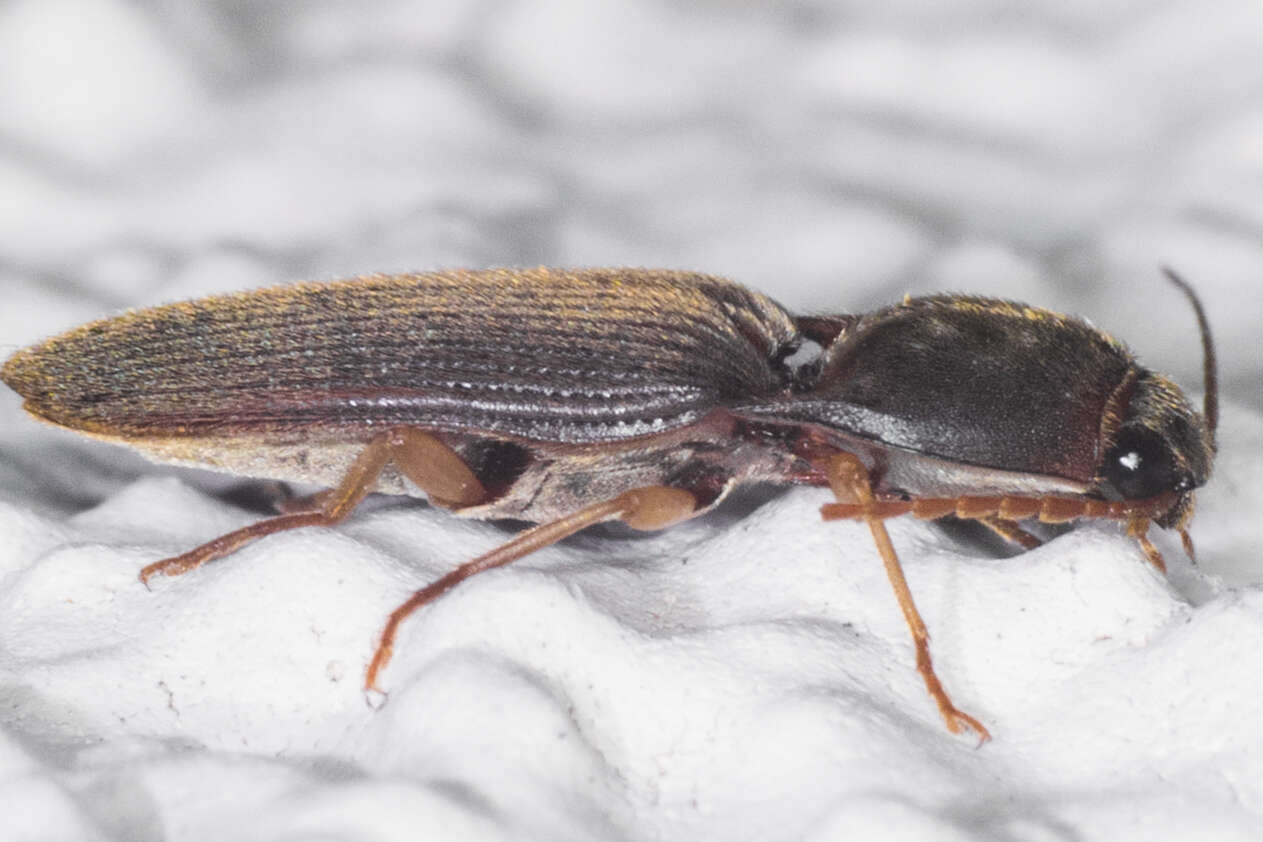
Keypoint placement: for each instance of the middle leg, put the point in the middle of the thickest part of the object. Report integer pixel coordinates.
(649, 509)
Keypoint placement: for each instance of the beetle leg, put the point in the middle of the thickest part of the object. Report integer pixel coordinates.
(1138, 529)
(1010, 531)
(849, 479)
(435, 468)
(431, 465)
(650, 508)
(1187, 541)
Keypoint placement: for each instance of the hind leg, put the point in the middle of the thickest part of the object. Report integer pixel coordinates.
(433, 466)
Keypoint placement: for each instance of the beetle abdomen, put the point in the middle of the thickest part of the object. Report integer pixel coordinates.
(585, 355)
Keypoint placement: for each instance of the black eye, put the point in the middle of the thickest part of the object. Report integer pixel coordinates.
(1139, 464)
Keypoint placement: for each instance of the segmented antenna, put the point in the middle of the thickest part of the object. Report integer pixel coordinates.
(1210, 376)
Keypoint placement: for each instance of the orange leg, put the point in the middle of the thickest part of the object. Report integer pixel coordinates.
(650, 508)
(433, 466)
(1138, 529)
(1187, 541)
(1010, 531)
(849, 479)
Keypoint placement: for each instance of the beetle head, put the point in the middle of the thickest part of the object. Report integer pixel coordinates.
(1162, 444)
(1159, 442)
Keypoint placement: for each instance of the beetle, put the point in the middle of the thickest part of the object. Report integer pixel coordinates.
(571, 397)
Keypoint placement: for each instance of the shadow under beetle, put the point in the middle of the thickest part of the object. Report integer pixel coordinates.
(570, 397)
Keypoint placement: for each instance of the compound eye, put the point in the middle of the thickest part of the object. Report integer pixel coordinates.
(1140, 464)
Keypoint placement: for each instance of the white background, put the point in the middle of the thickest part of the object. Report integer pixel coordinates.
(746, 676)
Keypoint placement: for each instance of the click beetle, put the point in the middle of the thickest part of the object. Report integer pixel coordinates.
(570, 397)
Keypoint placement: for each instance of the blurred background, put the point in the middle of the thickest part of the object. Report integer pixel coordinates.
(836, 155)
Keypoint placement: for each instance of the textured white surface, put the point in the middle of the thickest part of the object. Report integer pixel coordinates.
(745, 676)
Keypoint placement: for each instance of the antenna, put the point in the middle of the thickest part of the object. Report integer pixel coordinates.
(1210, 376)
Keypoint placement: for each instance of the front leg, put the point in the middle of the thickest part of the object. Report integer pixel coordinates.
(849, 480)
(1010, 531)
